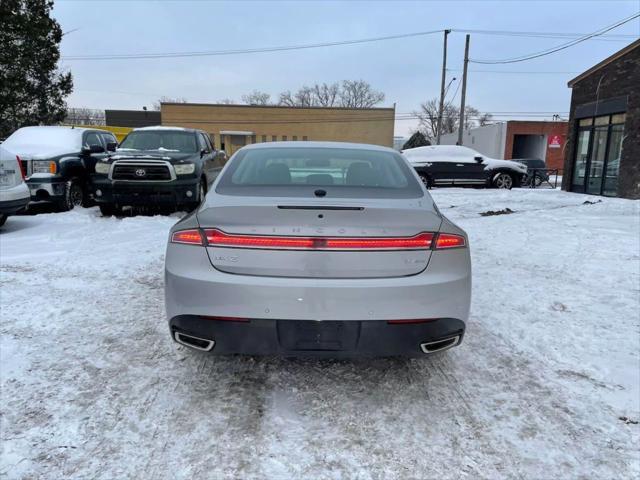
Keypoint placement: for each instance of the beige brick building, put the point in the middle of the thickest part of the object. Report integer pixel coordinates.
(233, 126)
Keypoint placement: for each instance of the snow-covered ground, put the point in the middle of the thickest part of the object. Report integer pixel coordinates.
(92, 386)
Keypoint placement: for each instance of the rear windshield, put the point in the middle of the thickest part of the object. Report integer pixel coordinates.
(162, 140)
(342, 172)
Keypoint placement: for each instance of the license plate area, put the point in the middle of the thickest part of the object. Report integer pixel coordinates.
(326, 335)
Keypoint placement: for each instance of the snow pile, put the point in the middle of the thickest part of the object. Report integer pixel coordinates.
(546, 383)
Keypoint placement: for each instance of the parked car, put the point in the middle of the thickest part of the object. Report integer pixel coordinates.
(536, 171)
(156, 166)
(57, 161)
(321, 249)
(452, 165)
(14, 193)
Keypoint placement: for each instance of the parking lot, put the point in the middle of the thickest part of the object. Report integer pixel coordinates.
(545, 385)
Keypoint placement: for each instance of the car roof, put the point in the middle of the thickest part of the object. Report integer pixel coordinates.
(167, 128)
(312, 144)
(80, 130)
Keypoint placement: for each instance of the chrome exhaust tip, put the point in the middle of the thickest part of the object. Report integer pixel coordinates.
(440, 345)
(202, 344)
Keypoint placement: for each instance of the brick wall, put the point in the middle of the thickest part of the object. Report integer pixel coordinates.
(619, 78)
(554, 156)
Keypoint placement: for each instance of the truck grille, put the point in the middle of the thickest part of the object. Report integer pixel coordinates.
(141, 172)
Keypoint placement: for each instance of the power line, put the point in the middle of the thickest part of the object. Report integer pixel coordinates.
(581, 37)
(511, 33)
(248, 50)
(559, 47)
(527, 72)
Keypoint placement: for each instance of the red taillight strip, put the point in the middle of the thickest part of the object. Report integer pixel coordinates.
(218, 238)
(22, 172)
(411, 321)
(188, 237)
(449, 240)
(226, 319)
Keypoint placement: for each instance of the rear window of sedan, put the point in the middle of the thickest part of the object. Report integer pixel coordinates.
(342, 172)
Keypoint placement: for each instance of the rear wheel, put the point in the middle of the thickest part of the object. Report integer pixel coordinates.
(504, 181)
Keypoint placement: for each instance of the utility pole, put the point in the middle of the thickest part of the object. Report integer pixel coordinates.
(464, 88)
(444, 75)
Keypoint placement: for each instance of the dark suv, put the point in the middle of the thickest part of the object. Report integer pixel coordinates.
(157, 166)
(57, 161)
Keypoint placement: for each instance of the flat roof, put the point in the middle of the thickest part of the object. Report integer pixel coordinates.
(237, 105)
(604, 62)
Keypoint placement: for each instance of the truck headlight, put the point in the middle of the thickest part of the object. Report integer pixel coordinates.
(43, 166)
(102, 167)
(185, 168)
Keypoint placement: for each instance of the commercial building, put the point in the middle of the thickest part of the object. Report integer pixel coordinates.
(517, 139)
(132, 118)
(603, 150)
(233, 126)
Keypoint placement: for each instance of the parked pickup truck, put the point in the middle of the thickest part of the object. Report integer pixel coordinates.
(157, 166)
(57, 161)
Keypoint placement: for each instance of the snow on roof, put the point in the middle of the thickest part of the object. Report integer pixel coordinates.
(160, 127)
(45, 138)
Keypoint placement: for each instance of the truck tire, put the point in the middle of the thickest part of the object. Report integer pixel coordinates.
(74, 195)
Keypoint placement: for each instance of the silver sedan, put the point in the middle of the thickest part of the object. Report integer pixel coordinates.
(317, 249)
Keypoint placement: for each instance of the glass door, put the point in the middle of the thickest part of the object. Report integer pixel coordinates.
(582, 156)
(596, 165)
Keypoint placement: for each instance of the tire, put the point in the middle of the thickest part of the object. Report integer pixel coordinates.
(425, 180)
(503, 181)
(202, 192)
(3, 218)
(74, 195)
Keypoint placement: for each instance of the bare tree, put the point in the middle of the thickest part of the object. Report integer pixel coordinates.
(256, 98)
(326, 95)
(164, 99)
(359, 94)
(428, 118)
(84, 116)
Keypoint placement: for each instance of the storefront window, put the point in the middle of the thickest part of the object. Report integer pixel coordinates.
(597, 156)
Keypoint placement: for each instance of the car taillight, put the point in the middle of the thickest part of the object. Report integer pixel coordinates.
(22, 172)
(189, 237)
(218, 238)
(449, 240)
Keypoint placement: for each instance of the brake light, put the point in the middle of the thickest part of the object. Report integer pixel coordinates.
(449, 240)
(226, 319)
(219, 238)
(22, 172)
(411, 321)
(188, 237)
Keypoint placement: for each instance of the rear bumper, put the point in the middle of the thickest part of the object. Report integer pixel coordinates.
(9, 207)
(14, 199)
(194, 289)
(371, 338)
(132, 193)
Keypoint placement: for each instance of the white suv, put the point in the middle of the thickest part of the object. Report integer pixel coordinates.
(14, 193)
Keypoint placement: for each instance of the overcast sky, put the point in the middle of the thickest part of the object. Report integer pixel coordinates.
(406, 70)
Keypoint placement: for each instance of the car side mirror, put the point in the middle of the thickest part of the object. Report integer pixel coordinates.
(111, 146)
(95, 148)
(478, 158)
(203, 152)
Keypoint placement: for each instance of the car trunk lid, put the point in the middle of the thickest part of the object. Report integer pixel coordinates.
(350, 238)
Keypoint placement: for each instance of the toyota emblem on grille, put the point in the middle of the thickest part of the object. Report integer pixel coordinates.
(141, 172)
